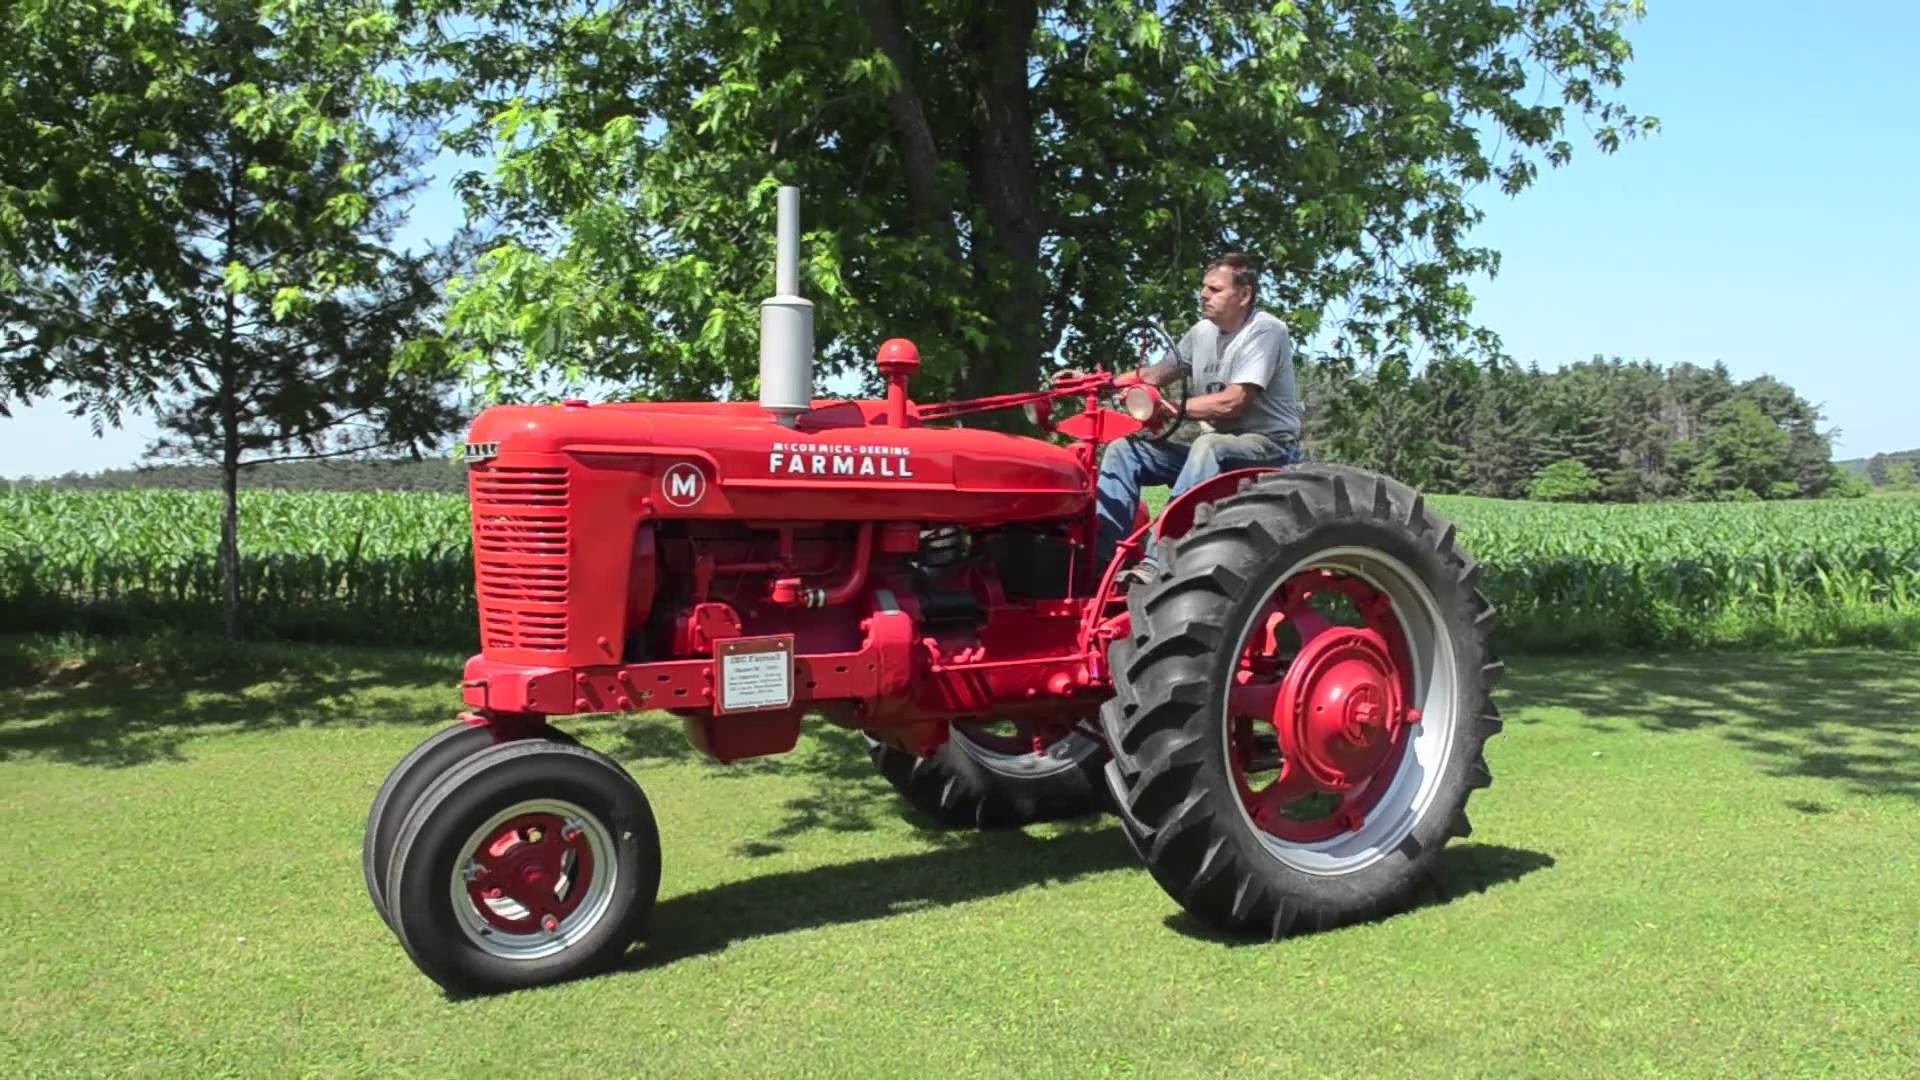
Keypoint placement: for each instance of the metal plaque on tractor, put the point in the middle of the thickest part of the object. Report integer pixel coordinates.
(755, 673)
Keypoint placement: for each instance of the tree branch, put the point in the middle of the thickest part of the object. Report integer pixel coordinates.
(324, 454)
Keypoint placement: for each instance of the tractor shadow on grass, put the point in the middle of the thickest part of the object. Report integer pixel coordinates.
(1852, 717)
(982, 865)
(1460, 871)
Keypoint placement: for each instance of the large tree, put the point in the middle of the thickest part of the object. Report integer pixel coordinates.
(1009, 182)
(201, 223)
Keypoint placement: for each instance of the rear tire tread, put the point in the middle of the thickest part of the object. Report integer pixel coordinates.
(1176, 800)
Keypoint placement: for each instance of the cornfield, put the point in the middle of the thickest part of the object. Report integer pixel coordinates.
(359, 567)
(396, 568)
(1698, 573)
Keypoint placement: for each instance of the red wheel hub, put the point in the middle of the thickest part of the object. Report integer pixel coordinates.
(530, 873)
(1340, 704)
(1337, 708)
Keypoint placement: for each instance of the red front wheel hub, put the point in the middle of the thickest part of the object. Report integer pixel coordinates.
(535, 878)
(530, 873)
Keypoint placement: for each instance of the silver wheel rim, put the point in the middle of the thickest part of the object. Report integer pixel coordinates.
(578, 923)
(1423, 767)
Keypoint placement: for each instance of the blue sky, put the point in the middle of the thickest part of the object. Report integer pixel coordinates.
(1772, 224)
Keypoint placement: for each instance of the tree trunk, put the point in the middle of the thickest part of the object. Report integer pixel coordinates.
(1007, 223)
(230, 530)
(1005, 187)
(913, 135)
(229, 386)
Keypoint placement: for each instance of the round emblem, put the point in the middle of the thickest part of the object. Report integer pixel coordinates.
(684, 485)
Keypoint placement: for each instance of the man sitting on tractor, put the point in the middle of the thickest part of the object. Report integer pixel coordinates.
(1238, 363)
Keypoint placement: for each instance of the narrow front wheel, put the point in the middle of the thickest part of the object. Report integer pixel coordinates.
(529, 863)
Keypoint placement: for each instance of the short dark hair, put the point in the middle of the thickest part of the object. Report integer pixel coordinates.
(1245, 268)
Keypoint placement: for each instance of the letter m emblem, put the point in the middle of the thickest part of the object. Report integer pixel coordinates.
(684, 485)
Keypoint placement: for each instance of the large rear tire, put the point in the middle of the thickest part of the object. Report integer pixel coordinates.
(980, 780)
(529, 863)
(1300, 710)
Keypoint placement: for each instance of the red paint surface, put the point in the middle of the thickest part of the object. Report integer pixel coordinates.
(616, 544)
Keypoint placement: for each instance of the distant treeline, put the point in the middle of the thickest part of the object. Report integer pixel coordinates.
(384, 474)
(1898, 470)
(1600, 431)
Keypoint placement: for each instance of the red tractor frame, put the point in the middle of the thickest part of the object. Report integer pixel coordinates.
(1287, 721)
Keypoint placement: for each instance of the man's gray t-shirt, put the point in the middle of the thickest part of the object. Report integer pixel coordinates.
(1261, 353)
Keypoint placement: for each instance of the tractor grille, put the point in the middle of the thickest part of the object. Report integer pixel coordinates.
(520, 549)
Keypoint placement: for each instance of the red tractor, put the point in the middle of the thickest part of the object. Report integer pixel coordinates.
(1287, 722)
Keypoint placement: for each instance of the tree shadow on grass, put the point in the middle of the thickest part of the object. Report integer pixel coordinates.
(1851, 717)
(131, 702)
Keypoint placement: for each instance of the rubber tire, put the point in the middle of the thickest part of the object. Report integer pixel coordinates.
(964, 790)
(404, 785)
(459, 802)
(1169, 776)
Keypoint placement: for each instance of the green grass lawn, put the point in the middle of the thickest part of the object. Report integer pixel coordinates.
(1700, 865)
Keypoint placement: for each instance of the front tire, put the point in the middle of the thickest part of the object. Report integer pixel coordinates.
(404, 785)
(529, 863)
(1300, 710)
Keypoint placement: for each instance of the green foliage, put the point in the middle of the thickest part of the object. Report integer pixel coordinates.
(440, 475)
(1900, 476)
(374, 568)
(1566, 480)
(1009, 183)
(1875, 467)
(1848, 484)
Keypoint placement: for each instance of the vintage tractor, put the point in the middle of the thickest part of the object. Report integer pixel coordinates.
(1287, 721)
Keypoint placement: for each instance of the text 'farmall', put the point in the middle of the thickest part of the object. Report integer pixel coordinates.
(889, 462)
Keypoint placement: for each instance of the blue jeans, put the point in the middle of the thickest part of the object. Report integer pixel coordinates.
(1131, 464)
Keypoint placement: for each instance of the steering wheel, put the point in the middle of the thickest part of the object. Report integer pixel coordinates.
(1154, 342)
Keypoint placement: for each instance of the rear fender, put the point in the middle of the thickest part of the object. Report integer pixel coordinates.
(1177, 518)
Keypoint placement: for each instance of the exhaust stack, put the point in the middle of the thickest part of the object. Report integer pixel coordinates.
(786, 325)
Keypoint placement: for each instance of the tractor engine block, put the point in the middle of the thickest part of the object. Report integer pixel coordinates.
(986, 624)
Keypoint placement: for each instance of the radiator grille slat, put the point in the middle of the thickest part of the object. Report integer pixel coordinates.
(521, 548)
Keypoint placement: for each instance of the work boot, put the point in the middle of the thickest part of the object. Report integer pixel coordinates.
(1140, 573)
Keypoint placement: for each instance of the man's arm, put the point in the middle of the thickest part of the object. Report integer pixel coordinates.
(1162, 373)
(1222, 405)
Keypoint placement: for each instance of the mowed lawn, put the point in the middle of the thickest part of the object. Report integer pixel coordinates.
(1701, 864)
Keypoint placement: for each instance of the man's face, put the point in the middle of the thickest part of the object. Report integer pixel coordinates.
(1219, 300)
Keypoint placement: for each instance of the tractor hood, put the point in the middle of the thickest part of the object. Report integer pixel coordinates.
(841, 460)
